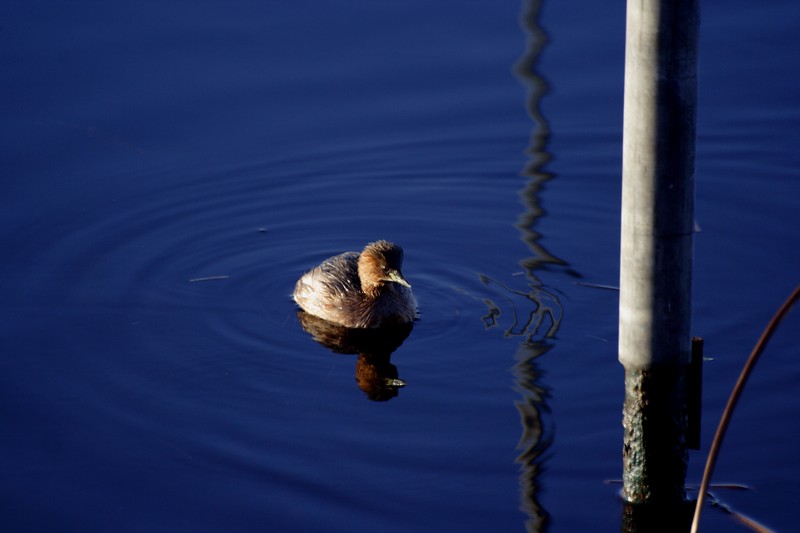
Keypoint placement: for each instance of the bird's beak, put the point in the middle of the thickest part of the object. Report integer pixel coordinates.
(397, 277)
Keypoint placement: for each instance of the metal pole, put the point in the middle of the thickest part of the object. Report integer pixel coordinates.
(656, 245)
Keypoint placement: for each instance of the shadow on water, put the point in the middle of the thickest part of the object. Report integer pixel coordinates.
(375, 374)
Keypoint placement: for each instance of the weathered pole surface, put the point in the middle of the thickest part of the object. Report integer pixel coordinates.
(656, 247)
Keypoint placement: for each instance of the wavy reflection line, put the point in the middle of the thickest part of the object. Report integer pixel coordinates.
(542, 320)
(536, 437)
(538, 156)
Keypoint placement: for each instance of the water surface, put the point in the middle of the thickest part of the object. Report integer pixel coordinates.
(171, 170)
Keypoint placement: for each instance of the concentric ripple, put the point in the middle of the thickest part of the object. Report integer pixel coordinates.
(227, 245)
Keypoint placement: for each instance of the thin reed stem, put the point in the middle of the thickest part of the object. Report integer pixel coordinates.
(734, 398)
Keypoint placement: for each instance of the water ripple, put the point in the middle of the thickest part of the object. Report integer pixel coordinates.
(228, 244)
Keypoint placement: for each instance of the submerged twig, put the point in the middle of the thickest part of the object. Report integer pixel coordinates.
(727, 486)
(734, 398)
(597, 286)
(744, 520)
(208, 278)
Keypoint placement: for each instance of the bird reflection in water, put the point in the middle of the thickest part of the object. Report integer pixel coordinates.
(375, 374)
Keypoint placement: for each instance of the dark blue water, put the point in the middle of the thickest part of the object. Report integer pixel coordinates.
(170, 170)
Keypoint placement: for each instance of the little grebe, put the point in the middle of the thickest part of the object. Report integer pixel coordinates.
(359, 290)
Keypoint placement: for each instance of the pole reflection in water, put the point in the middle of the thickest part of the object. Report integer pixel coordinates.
(375, 374)
(536, 433)
(547, 312)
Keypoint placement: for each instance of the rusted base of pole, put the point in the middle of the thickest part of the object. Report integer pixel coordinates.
(654, 451)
